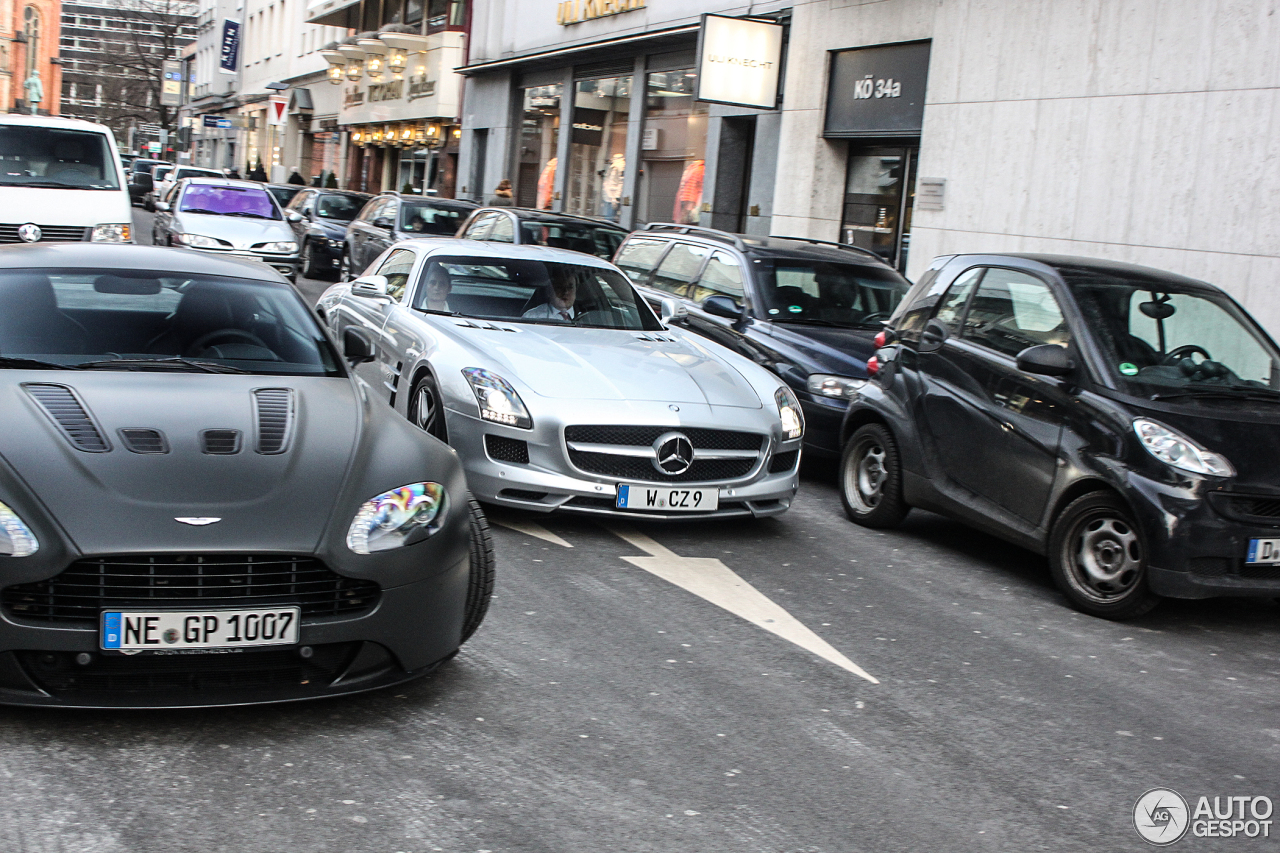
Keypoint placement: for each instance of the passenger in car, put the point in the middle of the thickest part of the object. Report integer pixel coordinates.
(438, 287)
(560, 296)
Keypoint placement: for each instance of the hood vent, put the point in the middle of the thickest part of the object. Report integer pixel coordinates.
(66, 410)
(653, 337)
(274, 410)
(141, 440)
(220, 442)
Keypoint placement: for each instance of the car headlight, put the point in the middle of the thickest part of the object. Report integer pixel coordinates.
(498, 401)
(16, 539)
(197, 241)
(335, 244)
(281, 247)
(396, 518)
(1175, 449)
(839, 387)
(789, 411)
(117, 232)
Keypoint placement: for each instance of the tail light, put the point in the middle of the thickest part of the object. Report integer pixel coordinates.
(873, 365)
(884, 337)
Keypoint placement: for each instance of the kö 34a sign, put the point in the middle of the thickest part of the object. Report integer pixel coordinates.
(576, 11)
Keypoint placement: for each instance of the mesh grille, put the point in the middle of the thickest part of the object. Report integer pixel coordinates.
(144, 440)
(643, 436)
(275, 418)
(502, 449)
(783, 461)
(1264, 573)
(636, 468)
(188, 580)
(1265, 508)
(220, 442)
(65, 409)
(48, 233)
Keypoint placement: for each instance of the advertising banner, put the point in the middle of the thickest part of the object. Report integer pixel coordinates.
(229, 57)
(170, 84)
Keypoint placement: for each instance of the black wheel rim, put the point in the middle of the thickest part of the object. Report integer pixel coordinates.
(1103, 556)
(426, 410)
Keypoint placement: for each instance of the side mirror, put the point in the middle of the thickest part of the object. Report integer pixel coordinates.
(162, 206)
(670, 309)
(1046, 360)
(357, 347)
(384, 222)
(723, 306)
(144, 181)
(293, 216)
(370, 286)
(933, 336)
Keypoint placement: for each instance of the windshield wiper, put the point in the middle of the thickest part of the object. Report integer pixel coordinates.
(248, 215)
(200, 210)
(158, 362)
(31, 364)
(1230, 391)
(52, 185)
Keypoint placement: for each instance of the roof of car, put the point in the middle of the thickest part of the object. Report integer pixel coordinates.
(52, 121)
(552, 216)
(767, 247)
(1072, 268)
(432, 199)
(485, 249)
(332, 191)
(123, 256)
(225, 182)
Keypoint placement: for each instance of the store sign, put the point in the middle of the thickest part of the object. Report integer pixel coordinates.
(390, 91)
(577, 11)
(170, 83)
(215, 121)
(421, 86)
(738, 61)
(229, 53)
(353, 97)
(877, 91)
(588, 126)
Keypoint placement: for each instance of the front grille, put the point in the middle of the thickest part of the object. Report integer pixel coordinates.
(59, 674)
(1262, 573)
(502, 449)
(48, 233)
(639, 468)
(643, 436)
(1259, 508)
(188, 580)
(522, 494)
(783, 461)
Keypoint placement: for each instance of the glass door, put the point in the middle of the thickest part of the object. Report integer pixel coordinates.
(878, 196)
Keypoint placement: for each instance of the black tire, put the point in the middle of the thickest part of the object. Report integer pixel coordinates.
(344, 266)
(480, 581)
(1098, 558)
(311, 267)
(871, 478)
(426, 408)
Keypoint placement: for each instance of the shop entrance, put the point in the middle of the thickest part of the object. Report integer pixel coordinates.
(878, 195)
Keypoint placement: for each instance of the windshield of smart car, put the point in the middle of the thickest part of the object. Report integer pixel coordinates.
(426, 218)
(1162, 340)
(110, 319)
(218, 200)
(340, 208)
(577, 236)
(829, 294)
(54, 158)
(526, 291)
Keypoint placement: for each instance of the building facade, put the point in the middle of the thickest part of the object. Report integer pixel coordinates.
(29, 64)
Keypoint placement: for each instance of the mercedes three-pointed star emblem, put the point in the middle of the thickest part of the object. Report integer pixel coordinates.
(673, 453)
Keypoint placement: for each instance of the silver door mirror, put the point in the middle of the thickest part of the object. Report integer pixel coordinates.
(370, 286)
(670, 309)
(162, 206)
(293, 216)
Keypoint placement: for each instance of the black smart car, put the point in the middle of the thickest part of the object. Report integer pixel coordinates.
(319, 218)
(1121, 420)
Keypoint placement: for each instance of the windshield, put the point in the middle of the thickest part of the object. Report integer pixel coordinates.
(829, 294)
(56, 159)
(219, 200)
(578, 236)
(420, 218)
(1162, 339)
(342, 208)
(146, 319)
(523, 291)
(284, 194)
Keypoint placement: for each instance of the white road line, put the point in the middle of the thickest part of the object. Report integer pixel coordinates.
(530, 529)
(712, 580)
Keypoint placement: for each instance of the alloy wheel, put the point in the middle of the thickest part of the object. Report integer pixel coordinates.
(1104, 555)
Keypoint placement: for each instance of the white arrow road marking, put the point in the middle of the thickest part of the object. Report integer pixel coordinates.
(530, 529)
(711, 579)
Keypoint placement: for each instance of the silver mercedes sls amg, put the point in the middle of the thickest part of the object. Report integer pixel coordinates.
(560, 389)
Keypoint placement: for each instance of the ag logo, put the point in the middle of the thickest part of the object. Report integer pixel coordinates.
(29, 233)
(673, 453)
(1161, 816)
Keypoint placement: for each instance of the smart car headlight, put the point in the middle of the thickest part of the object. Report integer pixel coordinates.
(839, 387)
(498, 401)
(1175, 449)
(16, 539)
(197, 241)
(396, 518)
(789, 411)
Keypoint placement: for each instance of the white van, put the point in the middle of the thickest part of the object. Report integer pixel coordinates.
(61, 181)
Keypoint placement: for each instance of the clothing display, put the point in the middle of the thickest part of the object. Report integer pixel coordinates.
(611, 189)
(547, 183)
(689, 196)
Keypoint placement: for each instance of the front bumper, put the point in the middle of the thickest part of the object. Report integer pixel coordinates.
(823, 417)
(286, 265)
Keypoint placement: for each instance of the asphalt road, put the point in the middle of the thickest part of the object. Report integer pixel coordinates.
(707, 688)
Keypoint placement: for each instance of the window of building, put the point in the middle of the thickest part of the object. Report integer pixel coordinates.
(446, 15)
(539, 137)
(31, 26)
(597, 147)
(673, 149)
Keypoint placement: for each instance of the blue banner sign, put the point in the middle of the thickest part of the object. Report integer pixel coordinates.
(229, 58)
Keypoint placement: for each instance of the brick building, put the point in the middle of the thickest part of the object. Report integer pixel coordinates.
(29, 35)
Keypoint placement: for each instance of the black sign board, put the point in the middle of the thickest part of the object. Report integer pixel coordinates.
(588, 126)
(229, 53)
(877, 91)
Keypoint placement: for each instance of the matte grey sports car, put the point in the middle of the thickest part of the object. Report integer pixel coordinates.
(560, 389)
(200, 504)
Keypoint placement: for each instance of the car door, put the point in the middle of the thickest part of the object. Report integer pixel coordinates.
(162, 224)
(722, 275)
(370, 314)
(302, 204)
(382, 229)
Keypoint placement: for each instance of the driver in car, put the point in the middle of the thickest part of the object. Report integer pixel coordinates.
(563, 292)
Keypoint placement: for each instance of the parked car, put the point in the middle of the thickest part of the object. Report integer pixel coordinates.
(526, 227)
(283, 193)
(140, 179)
(1121, 420)
(238, 218)
(805, 309)
(390, 217)
(260, 529)
(561, 390)
(61, 181)
(165, 177)
(319, 219)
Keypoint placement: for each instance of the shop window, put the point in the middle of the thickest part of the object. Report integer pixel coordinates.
(597, 147)
(392, 11)
(413, 11)
(539, 138)
(673, 149)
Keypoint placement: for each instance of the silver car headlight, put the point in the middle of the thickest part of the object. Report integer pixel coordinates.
(397, 518)
(498, 401)
(116, 232)
(838, 387)
(1175, 449)
(789, 411)
(282, 247)
(197, 241)
(16, 539)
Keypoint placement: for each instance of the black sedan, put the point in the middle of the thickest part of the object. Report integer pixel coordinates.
(523, 226)
(319, 219)
(1122, 420)
(200, 503)
(391, 217)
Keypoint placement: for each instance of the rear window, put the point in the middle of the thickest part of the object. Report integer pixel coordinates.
(55, 158)
(425, 218)
(826, 293)
(576, 236)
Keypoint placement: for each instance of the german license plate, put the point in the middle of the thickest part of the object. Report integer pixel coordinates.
(1265, 551)
(667, 499)
(155, 630)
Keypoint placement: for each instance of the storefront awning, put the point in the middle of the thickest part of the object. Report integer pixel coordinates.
(332, 13)
(673, 39)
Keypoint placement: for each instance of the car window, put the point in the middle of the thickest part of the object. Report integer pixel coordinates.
(721, 277)
(827, 292)
(679, 268)
(573, 235)
(1014, 310)
(424, 217)
(340, 208)
(388, 210)
(502, 231)
(639, 257)
(366, 215)
(479, 227)
(396, 268)
(217, 199)
(951, 307)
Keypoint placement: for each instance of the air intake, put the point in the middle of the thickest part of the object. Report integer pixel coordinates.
(220, 442)
(65, 409)
(144, 440)
(274, 410)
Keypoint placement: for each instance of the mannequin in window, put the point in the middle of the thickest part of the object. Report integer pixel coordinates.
(546, 184)
(690, 193)
(35, 91)
(611, 189)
